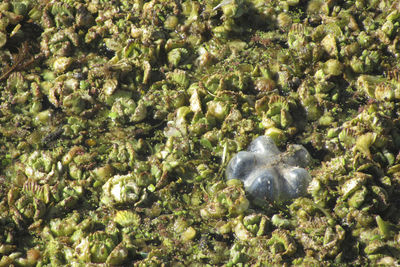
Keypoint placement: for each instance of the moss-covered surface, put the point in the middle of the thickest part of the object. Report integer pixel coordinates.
(118, 118)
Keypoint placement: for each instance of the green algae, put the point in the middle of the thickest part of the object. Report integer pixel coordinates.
(118, 118)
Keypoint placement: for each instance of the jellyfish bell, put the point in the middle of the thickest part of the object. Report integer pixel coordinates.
(264, 145)
(297, 180)
(297, 155)
(241, 165)
(262, 184)
(269, 175)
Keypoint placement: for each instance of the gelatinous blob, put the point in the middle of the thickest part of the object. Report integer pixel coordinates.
(271, 175)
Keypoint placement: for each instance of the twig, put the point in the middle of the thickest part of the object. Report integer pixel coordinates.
(18, 59)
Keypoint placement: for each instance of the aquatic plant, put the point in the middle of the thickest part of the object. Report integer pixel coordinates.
(118, 119)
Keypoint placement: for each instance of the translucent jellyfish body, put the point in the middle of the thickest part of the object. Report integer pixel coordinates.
(268, 174)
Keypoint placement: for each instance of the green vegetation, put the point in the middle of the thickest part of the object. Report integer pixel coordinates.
(118, 119)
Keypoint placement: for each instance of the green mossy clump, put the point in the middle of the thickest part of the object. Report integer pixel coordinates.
(118, 119)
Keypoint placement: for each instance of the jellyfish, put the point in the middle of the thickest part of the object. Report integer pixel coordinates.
(268, 174)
